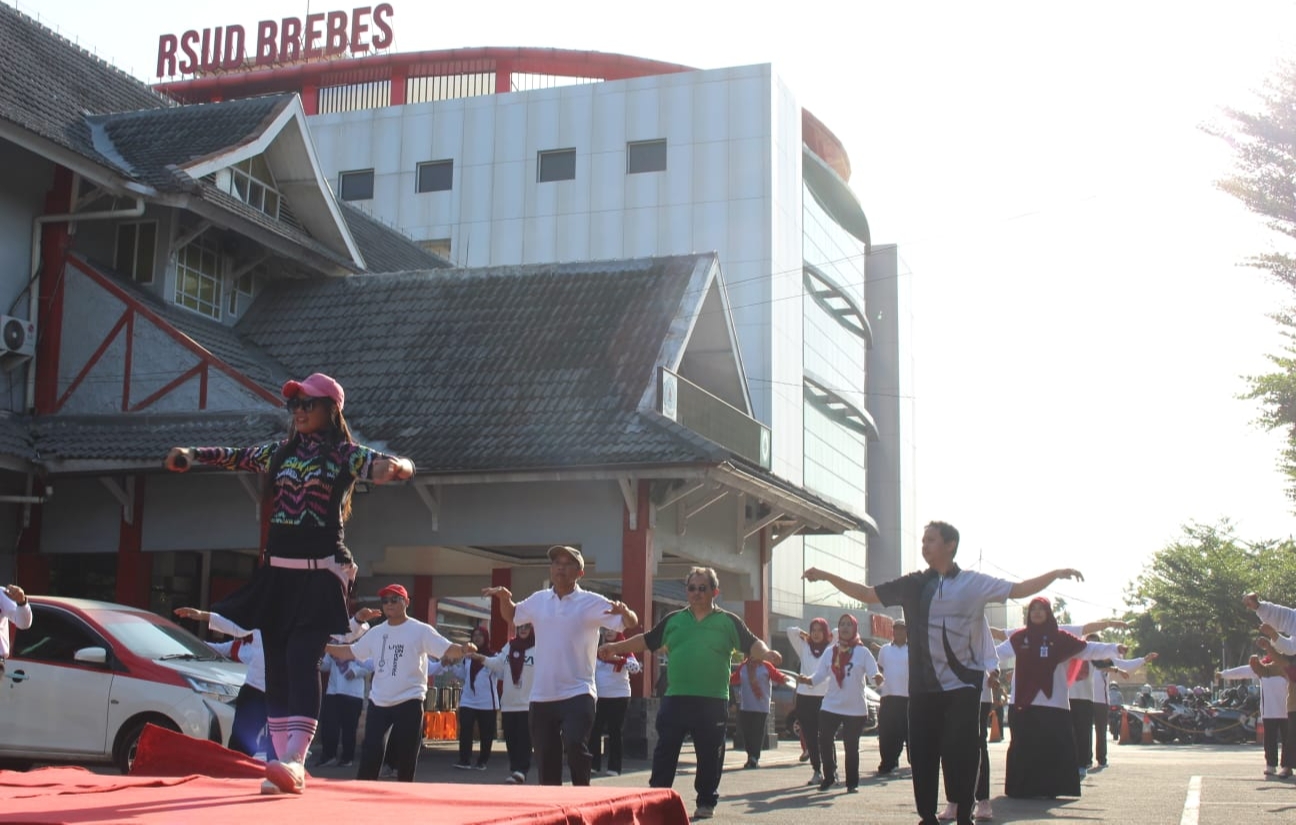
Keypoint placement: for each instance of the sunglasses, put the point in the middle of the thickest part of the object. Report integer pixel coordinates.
(390, 599)
(698, 588)
(304, 404)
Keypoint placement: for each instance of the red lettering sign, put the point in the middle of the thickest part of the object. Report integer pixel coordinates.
(316, 36)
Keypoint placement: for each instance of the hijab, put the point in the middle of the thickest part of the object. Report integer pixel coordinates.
(844, 650)
(518, 647)
(484, 650)
(1039, 649)
(817, 648)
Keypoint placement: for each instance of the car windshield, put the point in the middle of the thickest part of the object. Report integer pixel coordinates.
(149, 637)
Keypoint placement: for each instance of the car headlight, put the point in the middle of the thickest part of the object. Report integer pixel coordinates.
(219, 691)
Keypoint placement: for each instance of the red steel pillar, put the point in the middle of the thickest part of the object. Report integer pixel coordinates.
(756, 611)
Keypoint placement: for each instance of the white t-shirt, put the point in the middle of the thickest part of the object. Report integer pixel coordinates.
(516, 697)
(1060, 697)
(567, 638)
(339, 684)
(894, 663)
(808, 661)
(400, 657)
(1273, 691)
(611, 684)
(846, 699)
(478, 693)
(11, 612)
(251, 653)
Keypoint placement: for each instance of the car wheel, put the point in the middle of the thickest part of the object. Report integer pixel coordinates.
(128, 739)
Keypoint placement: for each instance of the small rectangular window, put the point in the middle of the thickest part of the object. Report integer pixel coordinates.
(557, 164)
(357, 185)
(646, 156)
(136, 245)
(437, 246)
(436, 176)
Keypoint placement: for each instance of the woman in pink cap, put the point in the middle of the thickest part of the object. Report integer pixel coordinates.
(297, 596)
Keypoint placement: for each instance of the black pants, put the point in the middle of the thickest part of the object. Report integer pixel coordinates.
(807, 713)
(292, 673)
(1275, 732)
(405, 721)
(893, 730)
(983, 764)
(517, 738)
(943, 732)
(1102, 731)
(1289, 748)
(1082, 714)
(339, 716)
(558, 728)
(609, 719)
(485, 719)
(704, 718)
(851, 727)
(752, 725)
(249, 721)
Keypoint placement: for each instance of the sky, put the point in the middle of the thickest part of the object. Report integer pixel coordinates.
(1081, 322)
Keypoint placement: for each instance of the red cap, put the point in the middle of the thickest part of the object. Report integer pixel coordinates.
(394, 590)
(316, 385)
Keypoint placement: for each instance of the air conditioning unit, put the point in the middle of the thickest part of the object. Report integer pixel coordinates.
(17, 337)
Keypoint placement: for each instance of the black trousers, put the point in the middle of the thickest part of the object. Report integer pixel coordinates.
(292, 673)
(405, 722)
(485, 720)
(1102, 731)
(807, 714)
(893, 730)
(852, 727)
(983, 763)
(249, 721)
(943, 732)
(558, 728)
(1082, 716)
(517, 739)
(339, 716)
(1289, 748)
(1275, 732)
(704, 718)
(609, 720)
(752, 725)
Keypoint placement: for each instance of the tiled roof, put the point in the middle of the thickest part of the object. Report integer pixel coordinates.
(520, 367)
(50, 84)
(385, 249)
(140, 436)
(15, 436)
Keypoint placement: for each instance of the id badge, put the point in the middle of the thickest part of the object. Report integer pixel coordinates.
(1043, 651)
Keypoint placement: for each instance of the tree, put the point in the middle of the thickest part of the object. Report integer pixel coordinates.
(1188, 601)
(1264, 180)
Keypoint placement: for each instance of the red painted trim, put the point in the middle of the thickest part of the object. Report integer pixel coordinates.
(179, 337)
(130, 358)
(202, 387)
(637, 580)
(756, 611)
(499, 629)
(94, 358)
(195, 370)
(421, 598)
(55, 240)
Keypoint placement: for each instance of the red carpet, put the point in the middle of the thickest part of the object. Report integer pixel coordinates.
(179, 779)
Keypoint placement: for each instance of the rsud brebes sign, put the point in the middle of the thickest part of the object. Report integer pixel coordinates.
(325, 34)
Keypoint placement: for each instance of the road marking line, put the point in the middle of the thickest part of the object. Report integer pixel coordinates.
(1192, 805)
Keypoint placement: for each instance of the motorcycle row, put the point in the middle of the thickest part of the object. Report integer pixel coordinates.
(1191, 717)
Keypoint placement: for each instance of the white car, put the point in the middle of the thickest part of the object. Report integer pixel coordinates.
(83, 681)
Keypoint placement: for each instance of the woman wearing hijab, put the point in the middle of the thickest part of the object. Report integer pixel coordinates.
(612, 683)
(810, 647)
(515, 667)
(846, 669)
(1042, 753)
(477, 703)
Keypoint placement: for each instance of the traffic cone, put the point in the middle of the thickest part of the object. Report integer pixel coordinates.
(1147, 729)
(1124, 730)
(996, 732)
(1260, 732)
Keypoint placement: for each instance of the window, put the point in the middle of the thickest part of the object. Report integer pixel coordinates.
(558, 164)
(357, 185)
(198, 278)
(436, 176)
(646, 156)
(437, 246)
(241, 293)
(251, 182)
(54, 636)
(136, 245)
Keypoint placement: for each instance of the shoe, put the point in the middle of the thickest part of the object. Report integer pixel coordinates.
(983, 810)
(852, 789)
(345, 763)
(288, 777)
(950, 813)
(269, 788)
(516, 778)
(1083, 772)
(388, 772)
(326, 763)
(883, 770)
(816, 779)
(480, 766)
(611, 773)
(750, 763)
(1270, 770)
(1285, 773)
(704, 812)
(804, 757)
(463, 766)
(827, 783)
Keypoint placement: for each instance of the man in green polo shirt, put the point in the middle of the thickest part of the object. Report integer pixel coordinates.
(701, 640)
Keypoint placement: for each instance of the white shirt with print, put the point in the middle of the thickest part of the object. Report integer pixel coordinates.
(846, 699)
(517, 697)
(400, 659)
(567, 638)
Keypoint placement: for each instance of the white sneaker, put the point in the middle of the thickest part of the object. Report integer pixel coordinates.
(1285, 773)
(983, 810)
(1270, 770)
(817, 779)
(269, 788)
(611, 773)
(288, 777)
(950, 813)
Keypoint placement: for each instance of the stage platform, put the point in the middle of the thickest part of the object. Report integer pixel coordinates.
(181, 780)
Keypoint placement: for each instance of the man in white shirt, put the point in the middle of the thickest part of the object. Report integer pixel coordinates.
(566, 621)
(13, 608)
(893, 714)
(399, 649)
(944, 607)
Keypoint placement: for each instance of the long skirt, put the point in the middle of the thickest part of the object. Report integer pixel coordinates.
(1041, 756)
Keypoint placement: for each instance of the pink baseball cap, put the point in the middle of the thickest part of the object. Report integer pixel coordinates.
(318, 385)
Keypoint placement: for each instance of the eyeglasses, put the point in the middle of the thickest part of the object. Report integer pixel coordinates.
(390, 599)
(304, 404)
(698, 588)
